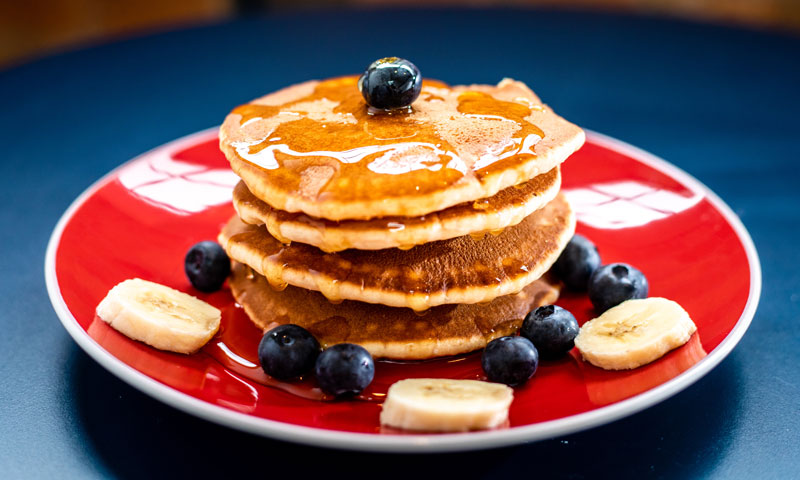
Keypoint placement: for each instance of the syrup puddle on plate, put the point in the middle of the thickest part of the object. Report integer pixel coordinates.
(236, 348)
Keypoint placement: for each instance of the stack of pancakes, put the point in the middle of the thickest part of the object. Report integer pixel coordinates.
(418, 233)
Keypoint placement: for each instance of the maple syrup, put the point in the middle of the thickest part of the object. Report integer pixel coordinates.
(328, 145)
(236, 348)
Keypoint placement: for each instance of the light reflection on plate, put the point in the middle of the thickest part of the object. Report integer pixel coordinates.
(178, 186)
(615, 205)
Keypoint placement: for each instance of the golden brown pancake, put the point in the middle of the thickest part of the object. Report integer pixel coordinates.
(316, 148)
(508, 207)
(388, 332)
(459, 270)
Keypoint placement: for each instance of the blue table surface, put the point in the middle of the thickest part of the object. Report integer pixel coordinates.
(721, 103)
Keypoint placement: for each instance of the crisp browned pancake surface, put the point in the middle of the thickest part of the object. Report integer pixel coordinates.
(508, 207)
(316, 147)
(459, 270)
(387, 332)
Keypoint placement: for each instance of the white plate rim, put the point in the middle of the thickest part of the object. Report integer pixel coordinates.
(417, 443)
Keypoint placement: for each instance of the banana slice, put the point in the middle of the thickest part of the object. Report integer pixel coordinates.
(443, 405)
(634, 333)
(159, 316)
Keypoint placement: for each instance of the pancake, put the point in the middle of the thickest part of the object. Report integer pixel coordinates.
(508, 207)
(396, 333)
(316, 148)
(459, 270)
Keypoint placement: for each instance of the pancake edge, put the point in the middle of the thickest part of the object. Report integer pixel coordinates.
(404, 350)
(335, 238)
(416, 301)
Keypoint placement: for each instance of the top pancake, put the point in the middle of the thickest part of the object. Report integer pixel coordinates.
(316, 148)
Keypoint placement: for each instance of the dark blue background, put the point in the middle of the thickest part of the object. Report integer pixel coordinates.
(721, 103)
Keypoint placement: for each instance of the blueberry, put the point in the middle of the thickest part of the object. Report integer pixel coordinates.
(288, 351)
(577, 263)
(510, 360)
(552, 330)
(344, 369)
(390, 83)
(207, 266)
(612, 284)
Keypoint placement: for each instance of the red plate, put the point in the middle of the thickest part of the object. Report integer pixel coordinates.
(140, 220)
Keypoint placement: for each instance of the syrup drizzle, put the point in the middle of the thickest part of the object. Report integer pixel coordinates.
(329, 146)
